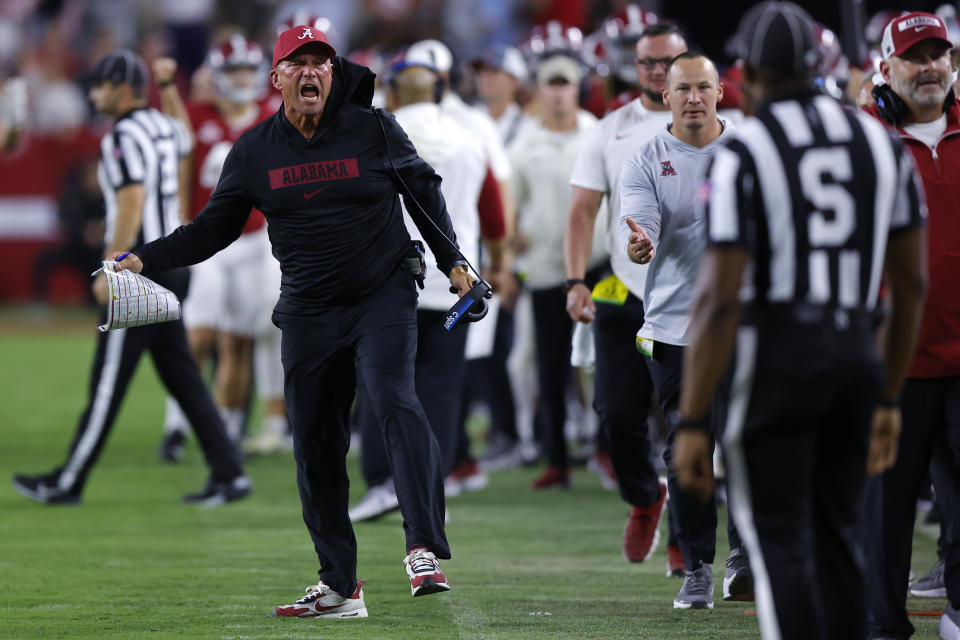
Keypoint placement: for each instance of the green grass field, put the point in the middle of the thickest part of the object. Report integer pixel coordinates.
(132, 562)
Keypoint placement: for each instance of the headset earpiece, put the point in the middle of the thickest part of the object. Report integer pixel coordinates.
(890, 106)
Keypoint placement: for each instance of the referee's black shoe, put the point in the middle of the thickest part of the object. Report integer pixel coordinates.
(218, 492)
(44, 489)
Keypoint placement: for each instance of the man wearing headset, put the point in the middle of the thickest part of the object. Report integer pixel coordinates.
(917, 99)
(326, 179)
(476, 212)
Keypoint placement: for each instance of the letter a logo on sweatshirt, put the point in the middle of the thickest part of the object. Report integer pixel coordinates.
(666, 169)
(307, 33)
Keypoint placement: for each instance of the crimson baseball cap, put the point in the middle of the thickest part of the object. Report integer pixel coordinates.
(292, 39)
(904, 31)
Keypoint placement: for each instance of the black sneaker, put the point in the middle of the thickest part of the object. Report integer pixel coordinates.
(44, 489)
(738, 578)
(171, 447)
(216, 493)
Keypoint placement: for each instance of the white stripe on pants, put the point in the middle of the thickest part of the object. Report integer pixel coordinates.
(106, 387)
(741, 504)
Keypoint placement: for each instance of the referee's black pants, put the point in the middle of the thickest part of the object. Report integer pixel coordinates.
(117, 356)
(930, 439)
(693, 521)
(439, 373)
(323, 354)
(622, 393)
(796, 443)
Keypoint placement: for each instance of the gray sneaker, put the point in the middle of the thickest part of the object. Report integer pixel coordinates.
(948, 627)
(738, 579)
(697, 589)
(930, 585)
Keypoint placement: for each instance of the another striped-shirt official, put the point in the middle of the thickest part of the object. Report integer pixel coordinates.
(812, 190)
(144, 147)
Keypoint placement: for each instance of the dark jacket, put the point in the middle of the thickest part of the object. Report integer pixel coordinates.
(331, 203)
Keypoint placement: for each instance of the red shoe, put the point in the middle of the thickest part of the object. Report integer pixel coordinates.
(642, 532)
(553, 478)
(466, 476)
(323, 602)
(675, 566)
(602, 465)
(424, 573)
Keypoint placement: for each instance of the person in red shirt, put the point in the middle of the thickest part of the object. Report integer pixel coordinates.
(918, 101)
(231, 294)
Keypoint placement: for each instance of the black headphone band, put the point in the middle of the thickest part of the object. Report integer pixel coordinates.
(893, 109)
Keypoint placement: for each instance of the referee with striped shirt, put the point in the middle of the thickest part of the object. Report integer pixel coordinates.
(807, 204)
(138, 173)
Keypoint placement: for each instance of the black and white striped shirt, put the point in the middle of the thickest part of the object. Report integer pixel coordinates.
(813, 191)
(144, 147)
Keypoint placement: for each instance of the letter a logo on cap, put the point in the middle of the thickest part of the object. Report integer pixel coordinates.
(307, 33)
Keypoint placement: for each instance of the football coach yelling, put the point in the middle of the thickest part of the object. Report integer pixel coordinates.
(326, 172)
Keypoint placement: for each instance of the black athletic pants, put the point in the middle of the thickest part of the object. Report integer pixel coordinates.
(489, 381)
(117, 356)
(796, 445)
(623, 390)
(323, 354)
(930, 439)
(552, 332)
(692, 520)
(440, 373)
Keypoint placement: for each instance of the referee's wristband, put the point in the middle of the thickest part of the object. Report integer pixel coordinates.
(570, 283)
(676, 422)
(889, 404)
(164, 85)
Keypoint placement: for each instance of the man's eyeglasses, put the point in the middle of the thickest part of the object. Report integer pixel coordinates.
(651, 63)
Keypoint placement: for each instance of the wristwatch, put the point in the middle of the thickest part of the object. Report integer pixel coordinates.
(676, 422)
(569, 283)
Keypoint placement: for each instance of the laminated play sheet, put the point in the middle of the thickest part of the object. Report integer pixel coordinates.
(136, 301)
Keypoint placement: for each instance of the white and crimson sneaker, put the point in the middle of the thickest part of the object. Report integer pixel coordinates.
(323, 602)
(424, 572)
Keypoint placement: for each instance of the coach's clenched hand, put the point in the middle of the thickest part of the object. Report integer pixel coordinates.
(131, 262)
(460, 279)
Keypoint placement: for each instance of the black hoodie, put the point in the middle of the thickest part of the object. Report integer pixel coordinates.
(331, 203)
